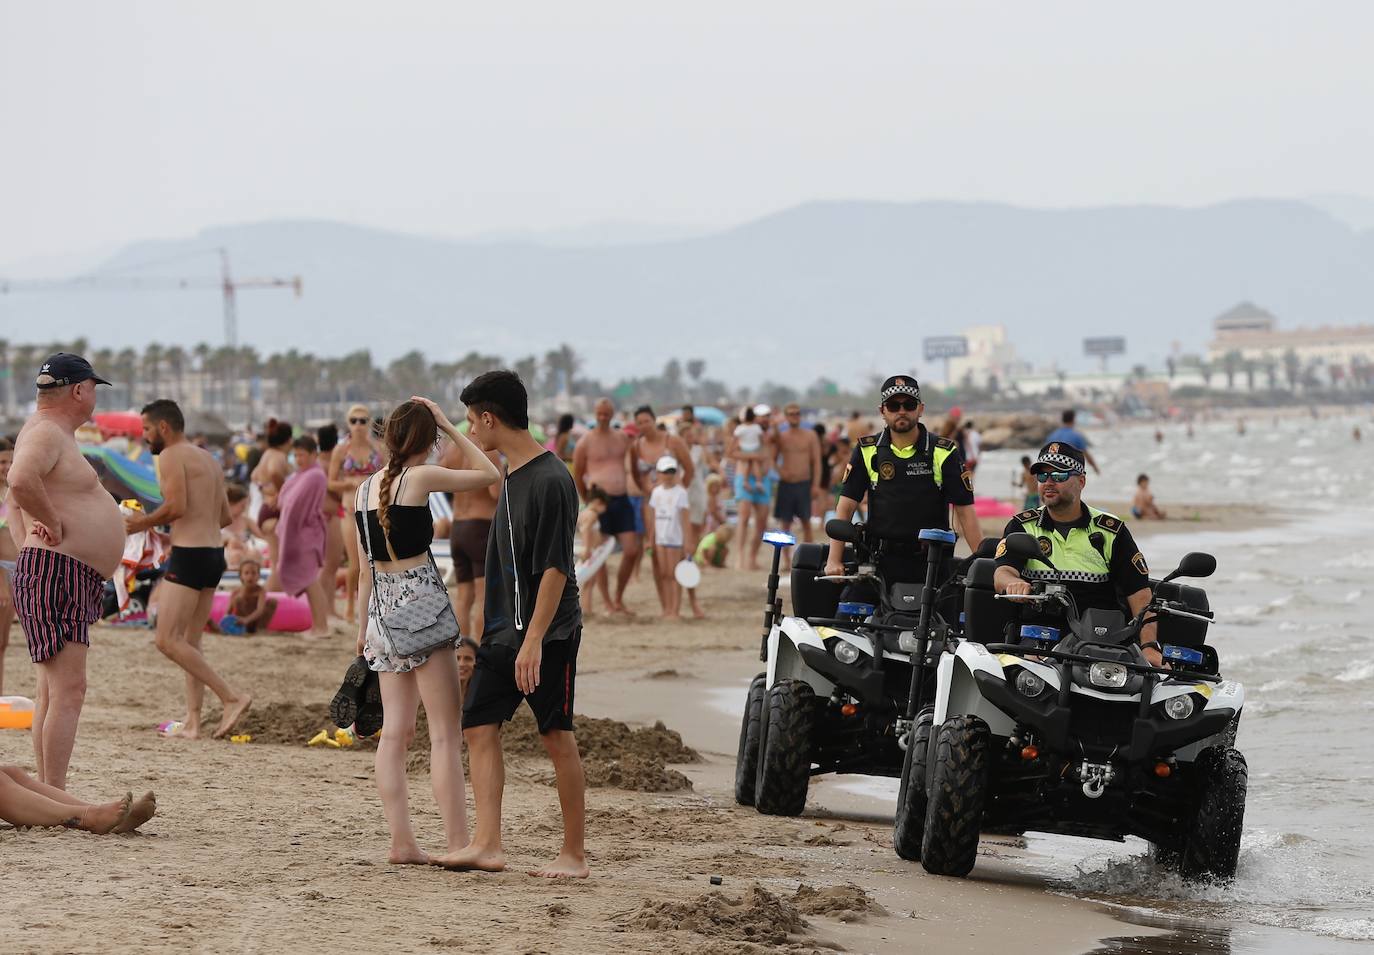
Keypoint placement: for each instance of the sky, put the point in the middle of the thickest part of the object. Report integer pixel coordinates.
(128, 120)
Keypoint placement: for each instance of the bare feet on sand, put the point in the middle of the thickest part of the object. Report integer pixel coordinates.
(412, 856)
(140, 811)
(566, 866)
(233, 712)
(105, 818)
(473, 858)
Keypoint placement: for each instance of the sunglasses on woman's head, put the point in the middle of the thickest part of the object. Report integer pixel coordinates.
(357, 421)
(1058, 477)
(901, 404)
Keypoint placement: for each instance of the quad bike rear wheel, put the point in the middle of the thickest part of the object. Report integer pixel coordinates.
(908, 829)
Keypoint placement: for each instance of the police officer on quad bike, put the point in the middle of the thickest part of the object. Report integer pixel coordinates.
(1093, 552)
(912, 478)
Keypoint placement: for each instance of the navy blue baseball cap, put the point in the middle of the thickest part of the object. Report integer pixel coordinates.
(63, 369)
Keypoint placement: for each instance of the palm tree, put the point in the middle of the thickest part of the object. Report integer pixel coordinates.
(527, 368)
(126, 370)
(152, 367)
(561, 366)
(176, 363)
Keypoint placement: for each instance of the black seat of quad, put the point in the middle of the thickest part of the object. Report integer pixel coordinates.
(985, 617)
(905, 598)
(1180, 631)
(812, 597)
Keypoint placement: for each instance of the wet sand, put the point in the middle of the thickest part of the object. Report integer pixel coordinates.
(273, 846)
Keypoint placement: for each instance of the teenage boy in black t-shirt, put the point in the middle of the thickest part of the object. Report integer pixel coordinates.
(533, 626)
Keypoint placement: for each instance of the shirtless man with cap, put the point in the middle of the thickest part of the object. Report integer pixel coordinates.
(600, 460)
(196, 507)
(71, 538)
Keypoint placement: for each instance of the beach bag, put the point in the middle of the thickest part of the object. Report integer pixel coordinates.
(419, 626)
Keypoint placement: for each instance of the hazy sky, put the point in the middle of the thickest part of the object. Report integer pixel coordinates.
(126, 120)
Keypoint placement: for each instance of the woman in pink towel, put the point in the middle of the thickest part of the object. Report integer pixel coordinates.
(301, 532)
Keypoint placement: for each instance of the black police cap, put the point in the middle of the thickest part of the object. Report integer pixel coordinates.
(901, 385)
(1060, 456)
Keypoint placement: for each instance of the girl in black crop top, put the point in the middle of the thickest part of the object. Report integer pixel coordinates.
(412, 527)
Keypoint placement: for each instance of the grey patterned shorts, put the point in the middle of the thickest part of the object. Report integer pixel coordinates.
(392, 591)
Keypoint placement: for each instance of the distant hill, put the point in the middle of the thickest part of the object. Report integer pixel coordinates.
(843, 289)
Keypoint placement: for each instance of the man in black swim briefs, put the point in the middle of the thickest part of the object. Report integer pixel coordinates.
(194, 503)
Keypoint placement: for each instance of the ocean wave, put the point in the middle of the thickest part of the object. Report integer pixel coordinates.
(1357, 672)
(1360, 930)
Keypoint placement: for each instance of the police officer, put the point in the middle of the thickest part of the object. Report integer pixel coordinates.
(1093, 551)
(912, 478)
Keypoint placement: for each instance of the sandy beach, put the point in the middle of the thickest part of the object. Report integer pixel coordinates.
(273, 846)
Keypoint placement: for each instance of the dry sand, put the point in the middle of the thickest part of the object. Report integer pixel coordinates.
(272, 846)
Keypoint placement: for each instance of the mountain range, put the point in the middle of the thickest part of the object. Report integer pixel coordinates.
(844, 289)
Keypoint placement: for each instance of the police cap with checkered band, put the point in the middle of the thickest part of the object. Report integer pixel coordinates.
(1060, 456)
(900, 385)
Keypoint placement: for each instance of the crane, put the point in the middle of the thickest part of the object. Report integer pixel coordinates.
(112, 281)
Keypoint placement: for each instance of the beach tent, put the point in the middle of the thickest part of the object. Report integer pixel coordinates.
(124, 478)
(709, 415)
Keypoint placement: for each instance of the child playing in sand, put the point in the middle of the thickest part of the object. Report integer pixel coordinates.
(589, 532)
(240, 532)
(714, 547)
(249, 604)
(1143, 508)
(667, 534)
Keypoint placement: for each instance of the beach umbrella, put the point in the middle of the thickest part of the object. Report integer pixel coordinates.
(708, 414)
(124, 423)
(124, 478)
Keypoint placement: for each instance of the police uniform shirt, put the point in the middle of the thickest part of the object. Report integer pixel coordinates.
(955, 487)
(1126, 567)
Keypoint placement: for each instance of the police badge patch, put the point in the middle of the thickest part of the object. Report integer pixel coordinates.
(1046, 545)
(887, 470)
(968, 480)
(1001, 548)
(1138, 562)
(847, 469)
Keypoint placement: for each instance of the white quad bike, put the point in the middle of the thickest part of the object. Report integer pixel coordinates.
(1078, 735)
(844, 679)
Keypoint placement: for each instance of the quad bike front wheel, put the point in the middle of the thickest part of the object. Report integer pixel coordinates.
(747, 759)
(785, 741)
(908, 829)
(958, 790)
(1212, 847)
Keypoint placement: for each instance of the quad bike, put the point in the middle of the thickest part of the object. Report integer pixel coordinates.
(844, 678)
(1070, 730)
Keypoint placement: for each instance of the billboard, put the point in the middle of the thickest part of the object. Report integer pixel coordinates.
(1102, 347)
(946, 346)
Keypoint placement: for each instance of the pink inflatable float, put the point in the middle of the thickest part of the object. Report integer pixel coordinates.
(991, 507)
(292, 614)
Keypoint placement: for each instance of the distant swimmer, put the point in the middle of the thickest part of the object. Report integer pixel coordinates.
(1356, 433)
(1240, 426)
(1159, 436)
(1066, 433)
(194, 503)
(71, 538)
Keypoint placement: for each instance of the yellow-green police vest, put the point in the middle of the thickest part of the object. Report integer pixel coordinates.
(1085, 556)
(906, 487)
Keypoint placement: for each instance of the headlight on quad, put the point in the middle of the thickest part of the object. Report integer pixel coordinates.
(1110, 675)
(846, 652)
(1179, 707)
(1028, 684)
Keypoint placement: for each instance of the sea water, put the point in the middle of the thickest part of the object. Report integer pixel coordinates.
(1294, 602)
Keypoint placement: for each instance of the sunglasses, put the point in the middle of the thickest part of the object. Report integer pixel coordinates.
(1058, 477)
(901, 404)
(357, 421)
(668, 471)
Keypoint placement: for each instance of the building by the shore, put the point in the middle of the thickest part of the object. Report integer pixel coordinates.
(1253, 333)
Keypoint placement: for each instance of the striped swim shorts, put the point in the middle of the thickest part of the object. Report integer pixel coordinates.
(56, 599)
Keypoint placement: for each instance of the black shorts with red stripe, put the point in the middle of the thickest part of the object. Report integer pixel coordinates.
(493, 696)
(56, 598)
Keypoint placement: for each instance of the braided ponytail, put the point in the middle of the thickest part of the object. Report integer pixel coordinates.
(393, 470)
(410, 431)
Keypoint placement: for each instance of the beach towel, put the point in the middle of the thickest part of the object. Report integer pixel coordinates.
(142, 551)
(300, 530)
